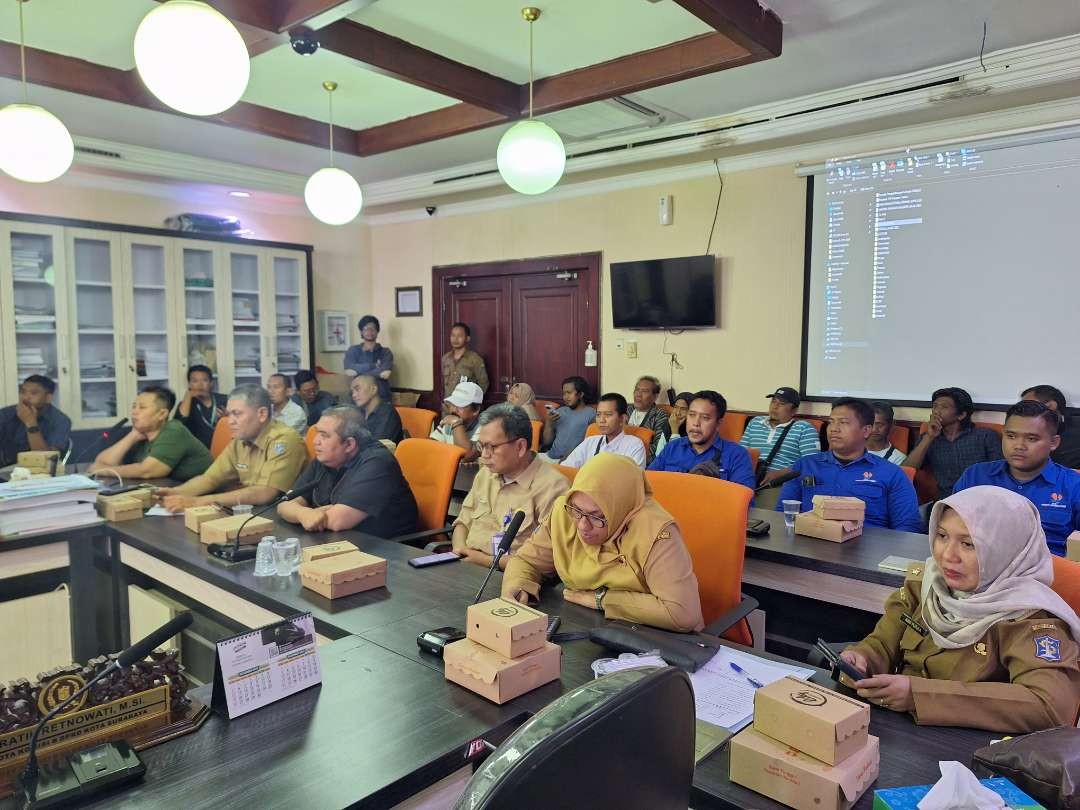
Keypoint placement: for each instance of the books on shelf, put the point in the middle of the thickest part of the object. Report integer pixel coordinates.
(35, 323)
(152, 363)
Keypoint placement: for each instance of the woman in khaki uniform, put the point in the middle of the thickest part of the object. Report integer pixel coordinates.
(975, 636)
(615, 549)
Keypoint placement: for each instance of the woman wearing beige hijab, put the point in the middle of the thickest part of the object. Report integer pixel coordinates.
(522, 395)
(975, 636)
(615, 549)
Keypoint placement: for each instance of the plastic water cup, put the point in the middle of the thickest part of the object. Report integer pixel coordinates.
(264, 558)
(286, 556)
(242, 509)
(791, 509)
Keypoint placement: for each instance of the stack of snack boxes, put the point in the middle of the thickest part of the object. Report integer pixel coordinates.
(834, 518)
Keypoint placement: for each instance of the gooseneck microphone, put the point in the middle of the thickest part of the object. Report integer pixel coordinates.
(504, 546)
(234, 552)
(136, 652)
(103, 437)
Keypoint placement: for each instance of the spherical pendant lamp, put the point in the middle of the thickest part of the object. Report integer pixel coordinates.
(192, 57)
(531, 156)
(332, 195)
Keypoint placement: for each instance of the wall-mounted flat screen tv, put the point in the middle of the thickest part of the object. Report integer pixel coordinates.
(664, 293)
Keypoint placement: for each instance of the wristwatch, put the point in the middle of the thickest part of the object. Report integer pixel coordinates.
(600, 593)
(34, 429)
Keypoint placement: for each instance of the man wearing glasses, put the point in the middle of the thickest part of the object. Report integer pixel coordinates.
(511, 478)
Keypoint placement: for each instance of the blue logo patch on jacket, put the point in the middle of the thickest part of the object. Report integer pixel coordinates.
(1048, 648)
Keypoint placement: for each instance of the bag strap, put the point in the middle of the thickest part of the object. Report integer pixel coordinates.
(763, 466)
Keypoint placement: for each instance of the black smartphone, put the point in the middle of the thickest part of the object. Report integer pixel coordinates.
(117, 490)
(434, 559)
(838, 663)
(433, 641)
(553, 625)
(757, 528)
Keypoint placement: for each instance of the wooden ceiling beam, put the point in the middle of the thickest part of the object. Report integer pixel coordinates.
(432, 126)
(410, 63)
(745, 22)
(289, 14)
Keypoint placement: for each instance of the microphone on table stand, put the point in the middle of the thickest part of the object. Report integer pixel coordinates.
(234, 552)
(504, 546)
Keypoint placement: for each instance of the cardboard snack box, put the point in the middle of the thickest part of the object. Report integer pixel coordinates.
(39, 461)
(839, 507)
(119, 507)
(791, 777)
(344, 574)
(145, 494)
(223, 530)
(811, 718)
(507, 627)
(196, 516)
(497, 677)
(837, 531)
(312, 553)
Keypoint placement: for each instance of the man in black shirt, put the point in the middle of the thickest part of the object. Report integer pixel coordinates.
(360, 485)
(201, 407)
(380, 417)
(1068, 452)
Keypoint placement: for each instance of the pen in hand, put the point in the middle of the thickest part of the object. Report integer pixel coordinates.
(745, 674)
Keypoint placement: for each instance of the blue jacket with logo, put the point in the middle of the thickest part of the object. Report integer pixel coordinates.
(1055, 492)
(889, 495)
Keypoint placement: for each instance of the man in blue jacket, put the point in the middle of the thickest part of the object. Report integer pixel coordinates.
(702, 450)
(847, 469)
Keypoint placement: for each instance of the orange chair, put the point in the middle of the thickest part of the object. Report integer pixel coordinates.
(1067, 581)
(926, 485)
(430, 468)
(711, 514)
(900, 438)
(910, 473)
(309, 443)
(569, 472)
(537, 428)
(733, 425)
(416, 421)
(221, 438)
(630, 430)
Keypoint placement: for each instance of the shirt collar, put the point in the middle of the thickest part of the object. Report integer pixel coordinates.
(262, 441)
(832, 459)
(1049, 473)
(526, 477)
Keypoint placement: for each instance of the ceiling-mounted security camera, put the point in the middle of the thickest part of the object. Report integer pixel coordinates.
(304, 41)
(431, 209)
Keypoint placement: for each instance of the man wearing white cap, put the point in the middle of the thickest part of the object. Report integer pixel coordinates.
(459, 426)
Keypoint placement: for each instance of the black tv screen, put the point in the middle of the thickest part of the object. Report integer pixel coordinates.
(664, 293)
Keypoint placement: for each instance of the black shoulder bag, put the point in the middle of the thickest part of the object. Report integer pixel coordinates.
(763, 465)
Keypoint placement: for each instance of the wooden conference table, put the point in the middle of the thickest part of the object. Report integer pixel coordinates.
(385, 723)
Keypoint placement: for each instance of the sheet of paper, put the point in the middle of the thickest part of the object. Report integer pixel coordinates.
(894, 563)
(161, 511)
(725, 697)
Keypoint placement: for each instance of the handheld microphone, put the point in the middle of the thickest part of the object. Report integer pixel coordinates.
(133, 654)
(100, 440)
(234, 552)
(504, 546)
(790, 475)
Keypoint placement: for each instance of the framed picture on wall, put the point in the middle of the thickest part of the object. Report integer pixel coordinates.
(409, 302)
(333, 330)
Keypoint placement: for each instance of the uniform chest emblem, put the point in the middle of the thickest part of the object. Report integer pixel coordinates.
(1056, 496)
(867, 475)
(1048, 648)
(279, 448)
(980, 648)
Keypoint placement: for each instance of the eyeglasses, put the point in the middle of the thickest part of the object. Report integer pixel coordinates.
(597, 522)
(483, 449)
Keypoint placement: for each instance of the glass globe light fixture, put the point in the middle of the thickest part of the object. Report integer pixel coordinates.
(35, 146)
(332, 195)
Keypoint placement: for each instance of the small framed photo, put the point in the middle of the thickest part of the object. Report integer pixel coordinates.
(333, 330)
(409, 302)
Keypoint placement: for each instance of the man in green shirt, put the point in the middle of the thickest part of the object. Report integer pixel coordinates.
(156, 446)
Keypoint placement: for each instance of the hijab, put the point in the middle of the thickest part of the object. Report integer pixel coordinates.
(1015, 570)
(619, 488)
(528, 400)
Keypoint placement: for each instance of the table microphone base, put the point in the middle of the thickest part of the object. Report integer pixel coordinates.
(77, 777)
(228, 553)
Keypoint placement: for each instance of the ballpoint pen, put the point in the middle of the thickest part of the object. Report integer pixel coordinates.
(745, 674)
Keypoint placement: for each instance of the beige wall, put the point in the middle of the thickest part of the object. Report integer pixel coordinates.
(758, 238)
(341, 277)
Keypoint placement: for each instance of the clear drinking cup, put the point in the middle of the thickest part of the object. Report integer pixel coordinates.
(264, 558)
(286, 556)
(791, 509)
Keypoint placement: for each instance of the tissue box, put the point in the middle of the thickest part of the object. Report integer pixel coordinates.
(344, 574)
(312, 553)
(837, 507)
(838, 531)
(908, 798)
(224, 529)
(196, 516)
(39, 461)
(119, 507)
(507, 627)
(497, 677)
(815, 720)
(1072, 547)
(797, 779)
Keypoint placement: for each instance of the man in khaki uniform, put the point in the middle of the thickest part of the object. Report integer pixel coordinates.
(510, 478)
(265, 457)
(1021, 676)
(462, 364)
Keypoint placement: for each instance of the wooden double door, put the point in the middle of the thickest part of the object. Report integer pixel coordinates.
(531, 320)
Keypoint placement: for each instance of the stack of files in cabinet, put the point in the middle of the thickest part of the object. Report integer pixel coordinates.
(31, 360)
(152, 364)
(35, 323)
(47, 504)
(96, 370)
(286, 322)
(26, 263)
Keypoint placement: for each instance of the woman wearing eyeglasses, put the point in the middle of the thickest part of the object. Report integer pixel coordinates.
(615, 549)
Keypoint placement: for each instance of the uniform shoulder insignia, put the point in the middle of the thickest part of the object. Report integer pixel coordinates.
(1043, 626)
(279, 448)
(664, 535)
(915, 570)
(980, 648)
(1048, 648)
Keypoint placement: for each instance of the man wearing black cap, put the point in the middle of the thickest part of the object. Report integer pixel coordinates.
(791, 438)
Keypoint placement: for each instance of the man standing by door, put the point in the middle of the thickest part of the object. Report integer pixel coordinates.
(462, 364)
